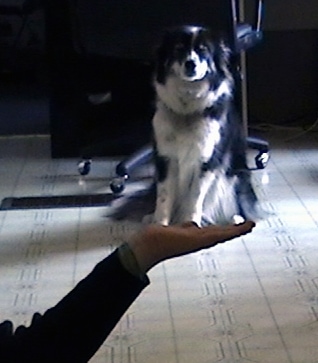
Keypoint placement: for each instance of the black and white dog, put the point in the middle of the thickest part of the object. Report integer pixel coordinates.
(200, 149)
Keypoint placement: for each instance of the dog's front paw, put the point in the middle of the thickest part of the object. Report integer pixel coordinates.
(194, 217)
(237, 219)
(151, 219)
(161, 217)
(148, 219)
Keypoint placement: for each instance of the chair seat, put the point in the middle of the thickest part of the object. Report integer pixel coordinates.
(246, 37)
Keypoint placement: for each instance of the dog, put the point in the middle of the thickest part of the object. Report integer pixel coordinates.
(200, 148)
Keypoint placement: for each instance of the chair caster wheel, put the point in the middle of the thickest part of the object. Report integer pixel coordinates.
(117, 185)
(84, 167)
(261, 160)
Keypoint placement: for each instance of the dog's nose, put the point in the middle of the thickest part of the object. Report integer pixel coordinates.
(189, 67)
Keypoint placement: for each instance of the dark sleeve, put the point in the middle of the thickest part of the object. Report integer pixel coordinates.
(74, 329)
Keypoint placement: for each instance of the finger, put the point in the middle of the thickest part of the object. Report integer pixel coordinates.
(245, 226)
(241, 229)
(226, 233)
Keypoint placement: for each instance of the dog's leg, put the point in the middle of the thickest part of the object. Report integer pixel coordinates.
(198, 186)
(204, 185)
(166, 190)
(193, 185)
(162, 213)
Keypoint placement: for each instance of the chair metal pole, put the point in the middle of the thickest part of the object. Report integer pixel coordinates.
(243, 71)
(259, 15)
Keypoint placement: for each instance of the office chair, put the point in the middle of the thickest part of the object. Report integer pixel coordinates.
(242, 37)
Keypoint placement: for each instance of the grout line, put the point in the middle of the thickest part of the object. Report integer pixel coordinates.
(173, 328)
(296, 194)
(290, 360)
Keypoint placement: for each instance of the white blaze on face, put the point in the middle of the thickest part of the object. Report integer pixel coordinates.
(200, 68)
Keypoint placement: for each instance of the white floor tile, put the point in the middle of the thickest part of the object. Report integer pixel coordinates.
(252, 300)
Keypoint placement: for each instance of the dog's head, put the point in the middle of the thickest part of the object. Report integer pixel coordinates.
(190, 53)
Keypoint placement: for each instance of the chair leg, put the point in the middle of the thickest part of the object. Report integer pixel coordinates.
(262, 146)
(124, 168)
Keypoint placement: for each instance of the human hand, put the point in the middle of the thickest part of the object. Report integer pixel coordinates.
(156, 243)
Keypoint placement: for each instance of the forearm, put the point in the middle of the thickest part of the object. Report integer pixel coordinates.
(74, 329)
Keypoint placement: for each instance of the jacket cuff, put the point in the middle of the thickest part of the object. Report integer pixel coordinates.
(130, 263)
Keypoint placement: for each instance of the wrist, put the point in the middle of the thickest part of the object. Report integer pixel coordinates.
(146, 246)
(130, 262)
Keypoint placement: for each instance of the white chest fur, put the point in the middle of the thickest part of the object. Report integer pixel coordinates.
(189, 139)
(187, 142)
(186, 138)
(186, 98)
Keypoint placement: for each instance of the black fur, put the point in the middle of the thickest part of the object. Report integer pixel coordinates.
(231, 192)
(179, 113)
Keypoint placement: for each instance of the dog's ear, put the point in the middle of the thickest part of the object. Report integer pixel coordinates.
(224, 53)
(222, 58)
(162, 58)
(164, 52)
(160, 64)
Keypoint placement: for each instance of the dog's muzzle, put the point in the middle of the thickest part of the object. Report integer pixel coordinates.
(194, 68)
(190, 68)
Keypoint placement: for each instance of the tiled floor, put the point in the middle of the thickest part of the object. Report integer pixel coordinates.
(251, 300)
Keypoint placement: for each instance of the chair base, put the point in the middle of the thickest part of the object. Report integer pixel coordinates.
(145, 155)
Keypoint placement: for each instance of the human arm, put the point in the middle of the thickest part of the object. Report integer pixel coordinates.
(74, 329)
(156, 243)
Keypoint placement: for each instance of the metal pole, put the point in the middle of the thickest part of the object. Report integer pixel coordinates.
(243, 71)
